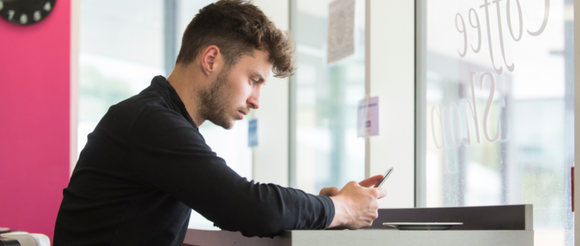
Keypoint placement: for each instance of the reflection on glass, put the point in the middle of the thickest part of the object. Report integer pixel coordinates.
(498, 108)
(327, 150)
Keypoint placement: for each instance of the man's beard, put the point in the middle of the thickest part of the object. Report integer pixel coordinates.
(213, 102)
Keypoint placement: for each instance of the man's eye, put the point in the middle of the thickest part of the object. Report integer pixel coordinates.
(254, 80)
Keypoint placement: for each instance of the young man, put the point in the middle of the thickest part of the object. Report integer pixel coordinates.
(145, 166)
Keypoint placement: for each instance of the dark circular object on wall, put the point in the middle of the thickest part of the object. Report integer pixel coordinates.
(25, 12)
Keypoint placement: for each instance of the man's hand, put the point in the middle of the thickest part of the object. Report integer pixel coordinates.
(355, 205)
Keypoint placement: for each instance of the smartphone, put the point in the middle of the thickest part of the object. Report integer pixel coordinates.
(385, 177)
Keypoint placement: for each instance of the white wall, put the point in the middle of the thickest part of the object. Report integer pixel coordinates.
(392, 79)
(576, 122)
(271, 154)
(74, 81)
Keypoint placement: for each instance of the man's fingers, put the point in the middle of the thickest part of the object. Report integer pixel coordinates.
(382, 192)
(372, 181)
(329, 191)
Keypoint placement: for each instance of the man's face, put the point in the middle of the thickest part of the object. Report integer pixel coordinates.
(236, 90)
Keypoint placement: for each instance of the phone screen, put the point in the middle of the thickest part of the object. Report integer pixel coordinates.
(385, 177)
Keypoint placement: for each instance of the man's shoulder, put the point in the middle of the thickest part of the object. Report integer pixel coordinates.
(129, 112)
(151, 112)
(147, 99)
(159, 97)
(145, 102)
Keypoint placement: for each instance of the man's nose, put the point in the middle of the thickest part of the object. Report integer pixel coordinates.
(254, 100)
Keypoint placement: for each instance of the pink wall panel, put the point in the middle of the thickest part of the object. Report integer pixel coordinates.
(34, 120)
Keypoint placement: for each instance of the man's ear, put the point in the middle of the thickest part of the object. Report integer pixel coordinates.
(209, 61)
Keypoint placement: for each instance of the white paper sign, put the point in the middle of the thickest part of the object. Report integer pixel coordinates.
(368, 117)
(340, 30)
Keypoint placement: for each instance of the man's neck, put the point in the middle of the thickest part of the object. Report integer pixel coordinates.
(183, 81)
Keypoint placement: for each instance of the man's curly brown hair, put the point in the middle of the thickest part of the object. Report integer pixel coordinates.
(237, 27)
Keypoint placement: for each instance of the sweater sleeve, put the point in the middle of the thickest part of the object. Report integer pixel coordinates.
(170, 155)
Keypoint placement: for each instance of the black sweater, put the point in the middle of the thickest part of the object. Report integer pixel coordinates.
(146, 165)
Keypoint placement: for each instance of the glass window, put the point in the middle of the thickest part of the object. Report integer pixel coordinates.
(495, 107)
(326, 150)
(121, 50)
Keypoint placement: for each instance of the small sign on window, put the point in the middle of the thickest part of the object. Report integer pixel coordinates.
(253, 133)
(368, 117)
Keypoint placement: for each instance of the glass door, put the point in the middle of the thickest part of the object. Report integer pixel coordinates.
(495, 107)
